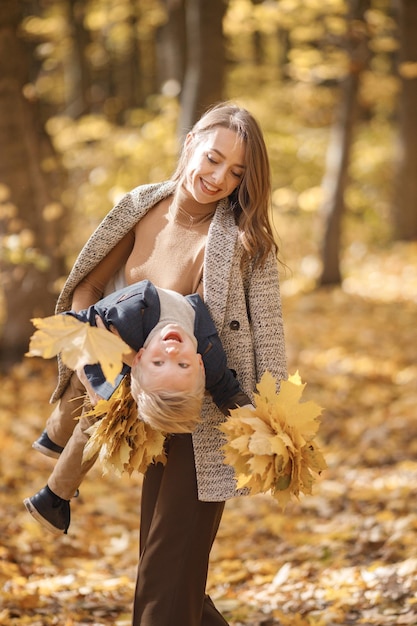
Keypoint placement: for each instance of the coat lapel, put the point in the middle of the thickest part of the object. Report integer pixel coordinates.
(220, 252)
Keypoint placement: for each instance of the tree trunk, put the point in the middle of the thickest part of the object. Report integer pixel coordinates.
(204, 76)
(258, 42)
(77, 69)
(404, 210)
(338, 152)
(123, 72)
(30, 224)
(171, 48)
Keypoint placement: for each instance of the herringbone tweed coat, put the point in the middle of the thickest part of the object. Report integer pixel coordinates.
(244, 303)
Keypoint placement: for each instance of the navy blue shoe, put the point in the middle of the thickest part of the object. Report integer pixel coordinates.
(47, 447)
(49, 510)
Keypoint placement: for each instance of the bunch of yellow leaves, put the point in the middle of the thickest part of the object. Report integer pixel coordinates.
(123, 442)
(78, 343)
(271, 444)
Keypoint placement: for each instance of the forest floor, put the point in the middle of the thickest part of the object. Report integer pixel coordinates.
(345, 555)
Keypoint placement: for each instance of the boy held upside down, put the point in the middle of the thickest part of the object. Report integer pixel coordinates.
(178, 355)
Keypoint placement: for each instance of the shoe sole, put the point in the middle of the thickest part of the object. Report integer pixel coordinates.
(45, 451)
(39, 518)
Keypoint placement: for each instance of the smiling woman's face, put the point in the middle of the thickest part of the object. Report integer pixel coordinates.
(216, 165)
(170, 361)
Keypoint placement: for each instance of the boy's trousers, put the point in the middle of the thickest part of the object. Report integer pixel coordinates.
(176, 535)
(65, 429)
(66, 412)
(70, 470)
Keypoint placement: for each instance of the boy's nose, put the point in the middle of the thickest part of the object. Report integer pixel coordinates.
(171, 349)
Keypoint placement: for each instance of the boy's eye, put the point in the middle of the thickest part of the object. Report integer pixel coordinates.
(157, 363)
(184, 365)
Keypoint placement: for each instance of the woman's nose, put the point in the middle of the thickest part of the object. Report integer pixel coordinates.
(219, 175)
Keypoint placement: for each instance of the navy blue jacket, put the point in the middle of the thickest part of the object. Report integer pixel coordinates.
(134, 311)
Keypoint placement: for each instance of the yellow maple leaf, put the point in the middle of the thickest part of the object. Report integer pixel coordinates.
(314, 458)
(238, 462)
(116, 459)
(240, 444)
(286, 407)
(78, 343)
(295, 619)
(121, 440)
(271, 447)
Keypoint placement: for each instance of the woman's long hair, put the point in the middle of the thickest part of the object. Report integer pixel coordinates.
(251, 200)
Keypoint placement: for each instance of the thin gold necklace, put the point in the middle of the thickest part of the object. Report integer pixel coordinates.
(182, 217)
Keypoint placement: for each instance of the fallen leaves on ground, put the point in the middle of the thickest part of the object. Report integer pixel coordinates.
(345, 555)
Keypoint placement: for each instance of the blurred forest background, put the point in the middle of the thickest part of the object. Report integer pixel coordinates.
(95, 98)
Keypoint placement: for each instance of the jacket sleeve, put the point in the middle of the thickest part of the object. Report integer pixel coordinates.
(221, 382)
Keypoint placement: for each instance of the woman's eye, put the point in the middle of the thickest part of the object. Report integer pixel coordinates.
(210, 159)
(157, 363)
(237, 175)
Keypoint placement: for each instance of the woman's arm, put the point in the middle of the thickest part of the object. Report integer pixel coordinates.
(91, 288)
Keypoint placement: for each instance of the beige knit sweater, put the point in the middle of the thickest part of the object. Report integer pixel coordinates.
(244, 303)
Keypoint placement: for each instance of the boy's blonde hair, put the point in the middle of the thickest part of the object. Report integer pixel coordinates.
(168, 411)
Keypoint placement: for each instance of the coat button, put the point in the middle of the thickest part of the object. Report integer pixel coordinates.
(234, 325)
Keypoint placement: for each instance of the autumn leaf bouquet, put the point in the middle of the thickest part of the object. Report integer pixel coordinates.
(271, 444)
(121, 440)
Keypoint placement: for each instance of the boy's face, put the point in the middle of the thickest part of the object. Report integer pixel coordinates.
(170, 361)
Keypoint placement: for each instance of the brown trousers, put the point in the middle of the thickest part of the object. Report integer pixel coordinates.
(176, 529)
(64, 416)
(66, 430)
(176, 535)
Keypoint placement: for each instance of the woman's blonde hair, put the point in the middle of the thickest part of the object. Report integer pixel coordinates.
(168, 411)
(251, 200)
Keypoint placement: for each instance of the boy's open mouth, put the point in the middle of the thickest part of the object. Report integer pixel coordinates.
(172, 336)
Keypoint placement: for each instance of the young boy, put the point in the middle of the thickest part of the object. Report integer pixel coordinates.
(178, 351)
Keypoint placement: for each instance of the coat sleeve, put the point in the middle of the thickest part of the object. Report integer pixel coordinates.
(265, 310)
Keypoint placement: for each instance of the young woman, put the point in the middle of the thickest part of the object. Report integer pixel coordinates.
(205, 230)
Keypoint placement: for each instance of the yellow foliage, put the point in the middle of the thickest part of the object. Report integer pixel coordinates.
(271, 445)
(121, 440)
(78, 343)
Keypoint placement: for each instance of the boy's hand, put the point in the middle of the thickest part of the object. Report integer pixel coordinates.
(94, 397)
